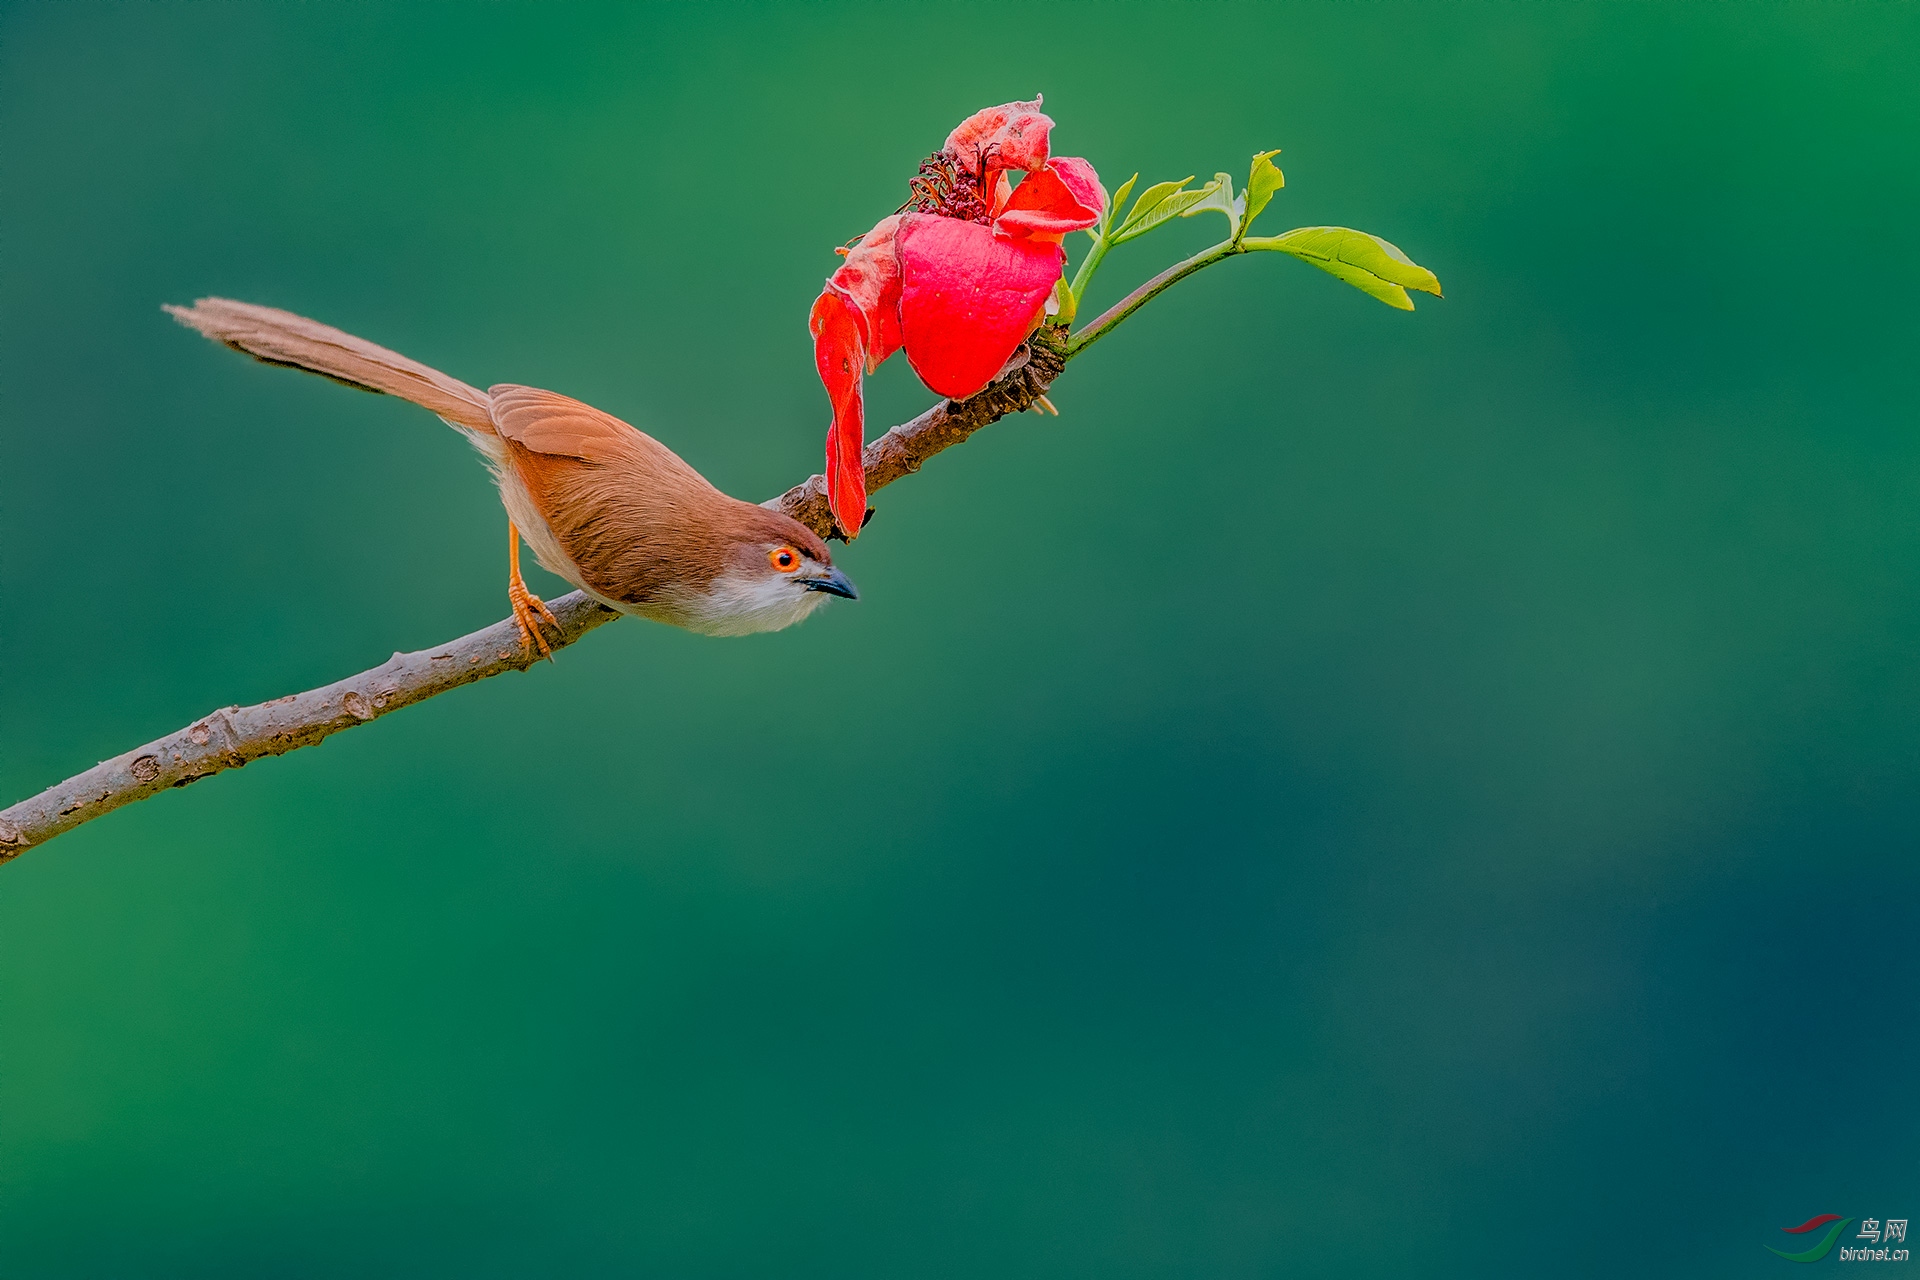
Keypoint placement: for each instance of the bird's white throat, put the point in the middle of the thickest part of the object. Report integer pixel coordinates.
(737, 604)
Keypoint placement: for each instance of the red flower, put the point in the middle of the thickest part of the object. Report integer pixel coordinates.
(959, 276)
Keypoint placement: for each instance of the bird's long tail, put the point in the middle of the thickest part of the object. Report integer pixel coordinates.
(282, 338)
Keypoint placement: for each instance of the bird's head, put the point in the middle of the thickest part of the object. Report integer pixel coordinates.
(774, 571)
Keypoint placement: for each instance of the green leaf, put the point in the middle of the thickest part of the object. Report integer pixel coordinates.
(1368, 263)
(1061, 306)
(1219, 198)
(1262, 181)
(1159, 202)
(1113, 205)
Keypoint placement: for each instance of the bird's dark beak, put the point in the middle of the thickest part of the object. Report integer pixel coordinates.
(834, 583)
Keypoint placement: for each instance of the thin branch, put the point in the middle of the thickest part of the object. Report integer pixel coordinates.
(1112, 316)
(237, 736)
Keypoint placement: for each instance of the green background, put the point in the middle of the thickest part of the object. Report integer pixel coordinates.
(1358, 794)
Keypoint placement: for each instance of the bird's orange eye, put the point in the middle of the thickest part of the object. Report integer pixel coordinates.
(785, 559)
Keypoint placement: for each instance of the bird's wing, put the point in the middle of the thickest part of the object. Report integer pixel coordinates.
(623, 507)
(557, 425)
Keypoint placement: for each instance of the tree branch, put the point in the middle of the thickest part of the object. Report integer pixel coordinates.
(237, 736)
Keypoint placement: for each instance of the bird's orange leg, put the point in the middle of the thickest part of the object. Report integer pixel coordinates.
(528, 609)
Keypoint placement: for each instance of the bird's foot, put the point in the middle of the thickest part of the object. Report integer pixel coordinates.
(529, 611)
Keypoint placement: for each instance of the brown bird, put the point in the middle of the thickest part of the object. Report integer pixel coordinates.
(608, 508)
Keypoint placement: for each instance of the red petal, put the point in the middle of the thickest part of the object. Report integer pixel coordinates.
(1010, 136)
(839, 353)
(1082, 181)
(870, 280)
(1065, 196)
(1002, 192)
(969, 299)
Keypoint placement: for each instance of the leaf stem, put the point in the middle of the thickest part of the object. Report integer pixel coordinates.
(1088, 266)
(1145, 293)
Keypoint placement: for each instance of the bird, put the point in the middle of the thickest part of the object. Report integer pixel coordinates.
(602, 504)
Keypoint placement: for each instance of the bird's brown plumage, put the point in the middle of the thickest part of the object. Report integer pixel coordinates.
(632, 516)
(603, 505)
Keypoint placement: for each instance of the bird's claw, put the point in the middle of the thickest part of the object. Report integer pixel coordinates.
(529, 611)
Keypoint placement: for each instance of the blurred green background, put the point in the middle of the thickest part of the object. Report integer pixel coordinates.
(1358, 794)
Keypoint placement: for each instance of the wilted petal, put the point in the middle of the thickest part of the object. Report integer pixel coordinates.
(1010, 136)
(1002, 192)
(839, 354)
(968, 299)
(1065, 196)
(1077, 176)
(870, 280)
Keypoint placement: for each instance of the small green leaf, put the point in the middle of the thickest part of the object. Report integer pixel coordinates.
(1113, 205)
(1368, 263)
(1061, 306)
(1262, 181)
(1219, 198)
(1156, 204)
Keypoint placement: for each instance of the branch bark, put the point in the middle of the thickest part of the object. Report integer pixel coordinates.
(236, 736)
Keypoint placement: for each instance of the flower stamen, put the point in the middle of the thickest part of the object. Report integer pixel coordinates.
(942, 187)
